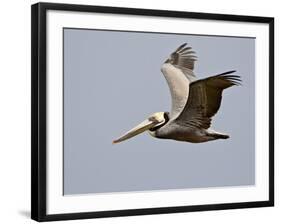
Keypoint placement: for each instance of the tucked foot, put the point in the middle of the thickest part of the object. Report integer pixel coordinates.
(217, 135)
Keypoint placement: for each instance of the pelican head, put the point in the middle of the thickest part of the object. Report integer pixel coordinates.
(151, 124)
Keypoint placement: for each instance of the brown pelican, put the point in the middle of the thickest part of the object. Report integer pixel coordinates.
(194, 102)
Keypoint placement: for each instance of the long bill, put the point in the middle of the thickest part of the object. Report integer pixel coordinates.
(143, 126)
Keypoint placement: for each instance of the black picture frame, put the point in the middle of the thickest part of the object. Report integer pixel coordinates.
(38, 108)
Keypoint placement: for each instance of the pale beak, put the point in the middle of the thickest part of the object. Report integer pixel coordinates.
(143, 126)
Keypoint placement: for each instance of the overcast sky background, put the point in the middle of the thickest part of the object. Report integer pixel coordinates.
(112, 81)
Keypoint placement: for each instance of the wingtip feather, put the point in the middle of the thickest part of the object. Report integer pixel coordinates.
(181, 46)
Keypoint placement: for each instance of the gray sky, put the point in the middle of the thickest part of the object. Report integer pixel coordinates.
(112, 81)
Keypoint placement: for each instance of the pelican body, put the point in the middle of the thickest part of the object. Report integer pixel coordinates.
(176, 131)
(194, 102)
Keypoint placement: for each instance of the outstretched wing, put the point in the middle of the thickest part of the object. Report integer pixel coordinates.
(205, 99)
(178, 71)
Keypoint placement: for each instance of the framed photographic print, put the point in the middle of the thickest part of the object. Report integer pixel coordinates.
(138, 111)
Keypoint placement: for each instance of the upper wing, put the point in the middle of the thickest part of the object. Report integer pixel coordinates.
(177, 70)
(205, 99)
(183, 58)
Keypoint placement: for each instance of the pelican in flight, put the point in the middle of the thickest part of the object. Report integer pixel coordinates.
(194, 102)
